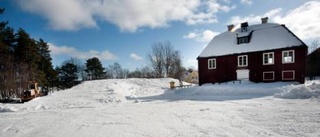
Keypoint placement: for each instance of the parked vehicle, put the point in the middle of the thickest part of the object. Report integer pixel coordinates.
(33, 91)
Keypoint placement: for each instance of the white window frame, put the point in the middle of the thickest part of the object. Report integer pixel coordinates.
(214, 65)
(263, 59)
(268, 72)
(242, 56)
(288, 78)
(243, 40)
(283, 58)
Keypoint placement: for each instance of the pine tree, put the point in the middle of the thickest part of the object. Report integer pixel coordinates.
(26, 51)
(67, 75)
(45, 66)
(7, 67)
(94, 69)
(22, 59)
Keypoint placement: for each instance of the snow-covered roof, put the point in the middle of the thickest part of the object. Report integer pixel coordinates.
(264, 37)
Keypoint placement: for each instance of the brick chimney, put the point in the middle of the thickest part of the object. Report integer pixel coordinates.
(264, 20)
(230, 27)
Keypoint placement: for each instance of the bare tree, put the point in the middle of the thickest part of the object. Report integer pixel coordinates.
(314, 46)
(7, 77)
(14, 77)
(22, 78)
(115, 71)
(156, 58)
(146, 72)
(165, 60)
(177, 69)
(124, 73)
(168, 57)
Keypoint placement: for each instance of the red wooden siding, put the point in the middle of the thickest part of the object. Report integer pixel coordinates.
(226, 67)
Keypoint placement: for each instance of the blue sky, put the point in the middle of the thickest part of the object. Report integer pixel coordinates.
(123, 30)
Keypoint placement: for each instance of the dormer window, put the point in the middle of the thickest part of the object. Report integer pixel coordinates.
(243, 40)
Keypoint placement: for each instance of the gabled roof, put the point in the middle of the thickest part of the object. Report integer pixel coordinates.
(263, 37)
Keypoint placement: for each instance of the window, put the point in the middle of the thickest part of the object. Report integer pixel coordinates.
(268, 75)
(288, 75)
(268, 58)
(288, 56)
(212, 64)
(242, 61)
(244, 29)
(243, 40)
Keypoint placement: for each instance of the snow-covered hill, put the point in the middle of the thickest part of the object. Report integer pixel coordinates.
(147, 107)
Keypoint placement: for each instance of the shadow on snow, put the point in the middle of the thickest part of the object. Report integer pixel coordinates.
(207, 94)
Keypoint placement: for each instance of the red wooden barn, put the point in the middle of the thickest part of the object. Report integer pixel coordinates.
(265, 52)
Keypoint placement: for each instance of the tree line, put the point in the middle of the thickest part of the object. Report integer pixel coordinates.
(25, 60)
(163, 61)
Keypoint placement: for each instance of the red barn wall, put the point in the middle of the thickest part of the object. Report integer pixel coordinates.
(226, 66)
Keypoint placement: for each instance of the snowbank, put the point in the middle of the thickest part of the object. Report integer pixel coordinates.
(140, 107)
(245, 88)
(311, 89)
(7, 109)
(285, 90)
(96, 93)
(228, 91)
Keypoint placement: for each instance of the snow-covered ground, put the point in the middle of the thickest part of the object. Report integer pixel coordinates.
(146, 107)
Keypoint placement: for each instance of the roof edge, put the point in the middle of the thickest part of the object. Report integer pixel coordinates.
(303, 44)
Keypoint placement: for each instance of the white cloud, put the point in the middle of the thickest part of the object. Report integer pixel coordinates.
(304, 21)
(62, 14)
(191, 35)
(128, 15)
(248, 2)
(135, 56)
(204, 36)
(254, 19)
(209, 15)
(72, 52)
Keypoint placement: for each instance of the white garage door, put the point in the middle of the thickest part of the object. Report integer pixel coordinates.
(242, 74)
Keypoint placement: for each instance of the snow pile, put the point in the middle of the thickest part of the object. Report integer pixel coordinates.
(7, 109)
(246, 90)
(304, 91)
(97, 93)
(123, 90)
(127, 107)
(224, 91)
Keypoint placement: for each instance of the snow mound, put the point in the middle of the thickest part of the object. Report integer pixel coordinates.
(7, 109)
(98, 93)
(230, 89)
(122, 90)
(224, 91)
(304, 91)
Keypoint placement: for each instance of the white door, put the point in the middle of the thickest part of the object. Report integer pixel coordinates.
(243, 74)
